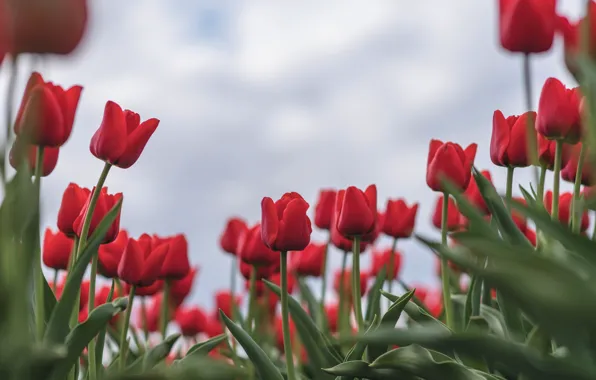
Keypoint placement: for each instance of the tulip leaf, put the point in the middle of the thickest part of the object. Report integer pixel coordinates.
(49, 300)
(203, 348)
(300, 316)
(390, 319)
(81, 335)
(476, 219)
(357, 350)
(360, 369)
(314, 352)
(313, 306)
(374, 296)
(493, 317)
(416, 313)
(58, 328)
(153, 356)
(472, 306)
(263, 364)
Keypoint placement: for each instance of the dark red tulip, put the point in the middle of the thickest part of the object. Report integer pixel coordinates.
(558, 112)
(57, 249)
(325, 208)
(42, 26)
(225, 301)
(382, 260)
(399, 219)
(527, 26)
(140, 265)
(284, 224)
(192, 321)
(73, 201)
(449, 162)
(570, 167)
(109, 255)
(47, 112)
(571, 32)
(253, 251)
(347, 283)
(342, 242)
(176, 265)
(180, 289)
(105, 203)
(121, 137)
(230, 238)
(50, 157)
(509, 141)
(565, 200)
(310, 261)
(473, 195)
(453, 214)
(356, 211)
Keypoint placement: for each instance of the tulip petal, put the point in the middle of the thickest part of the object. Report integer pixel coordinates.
(269, 222)
(500, 139)
(131, 264)
(109, 141)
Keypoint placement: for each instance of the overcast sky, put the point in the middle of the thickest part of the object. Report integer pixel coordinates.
(257, 98)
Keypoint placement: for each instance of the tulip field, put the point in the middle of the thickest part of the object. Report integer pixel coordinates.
(517, 299)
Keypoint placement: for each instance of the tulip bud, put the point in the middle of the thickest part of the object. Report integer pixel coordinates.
(140, 266)
(73, 201)
(109, 255)
(254, 251)
(558, 112)
(453, 214)
(230, 238)
(399, 219)
(324, 209)
(192, 321)
(382, 260)
(449, 162)
(356, 211)
(515, 19)
(284, 224)
(176, 265)
(310, 261)
(180, 289)
(509, 141)
(57, 249)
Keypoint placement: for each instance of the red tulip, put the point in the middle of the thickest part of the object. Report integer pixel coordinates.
(105, 203)
(332, 314)
(571, 32)
(192, 321)
(121, 137)
(565, 200)
(382, 260)
(57, 248)
(527, 26)
(347, 283)
(47, 112)
(310, 261)
(73, 201)
(109, 255)
(325, 208)
(50, 157)
(421, 292)
(558, 112)
(340, 241)
(473, 195)
(356, 211)
(284, 224)
(180, 289)
(146, 291)
(176, 265)
(41, 26)
(531, 236)
(214, 327)
(253, 251)
(399, 219)
(434, 303)
(570, 168)
(448, 161)
(509, 141)
(140, 265)
(225, 301)
(230, 238)
(453, 214)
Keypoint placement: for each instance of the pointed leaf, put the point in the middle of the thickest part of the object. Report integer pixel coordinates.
(390, 320)
(374, 296)
(360, 369)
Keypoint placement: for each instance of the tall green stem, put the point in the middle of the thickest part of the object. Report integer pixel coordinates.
(576, 213)
(165, 308)
(39, 283)
(343, 314)
(324, 285)
(557, 179)
(252, 298)
(530, 132)
(509, 189)
(123, 333)
(391, 269)
(285, 316)
(541, 183)
(356, 283)
(445, 272)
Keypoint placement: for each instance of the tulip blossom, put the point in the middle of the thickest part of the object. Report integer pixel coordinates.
(230, 238)
(569, 170)
(449, 162)
(73, 201)
(284, 224)
(57, 249)
(254, 251)
(565, 200)
(347, 283)
(109, 255)
(192, 321)
(509, 141)
(527, 26)
(104, 204)
(399, 219)
(325, 208)
(181, 288)
(453, 214)
(571, 32)
(50, 157)
(382, 260)
(141, 265)
(121, 137)
(558, 112)
(225, 301)
(356, 211)
(47, 112)
(341, 242)
(474, 196)
(176, 265)
(546, 152)
(310, 261)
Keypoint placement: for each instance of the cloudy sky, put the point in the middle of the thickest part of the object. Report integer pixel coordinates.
(259, 98)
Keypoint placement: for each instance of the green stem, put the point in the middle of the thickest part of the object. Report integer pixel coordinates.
(252, 298)
(10, 92)
(323, 287)
(356, 283)
(144, 320)
(91, 208)
(557, 179)
(285, 316)
(541, 182)
(509, 189)
(445, 272)
(123, 346)
(343, 326)
(90, 306)
(39, 284)
(530, 132)
(576, 213)
(55, 282)
(594, 231)
(391, 270)
(165, 308)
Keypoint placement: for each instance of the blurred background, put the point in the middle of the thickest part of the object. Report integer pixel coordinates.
(257, 98)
